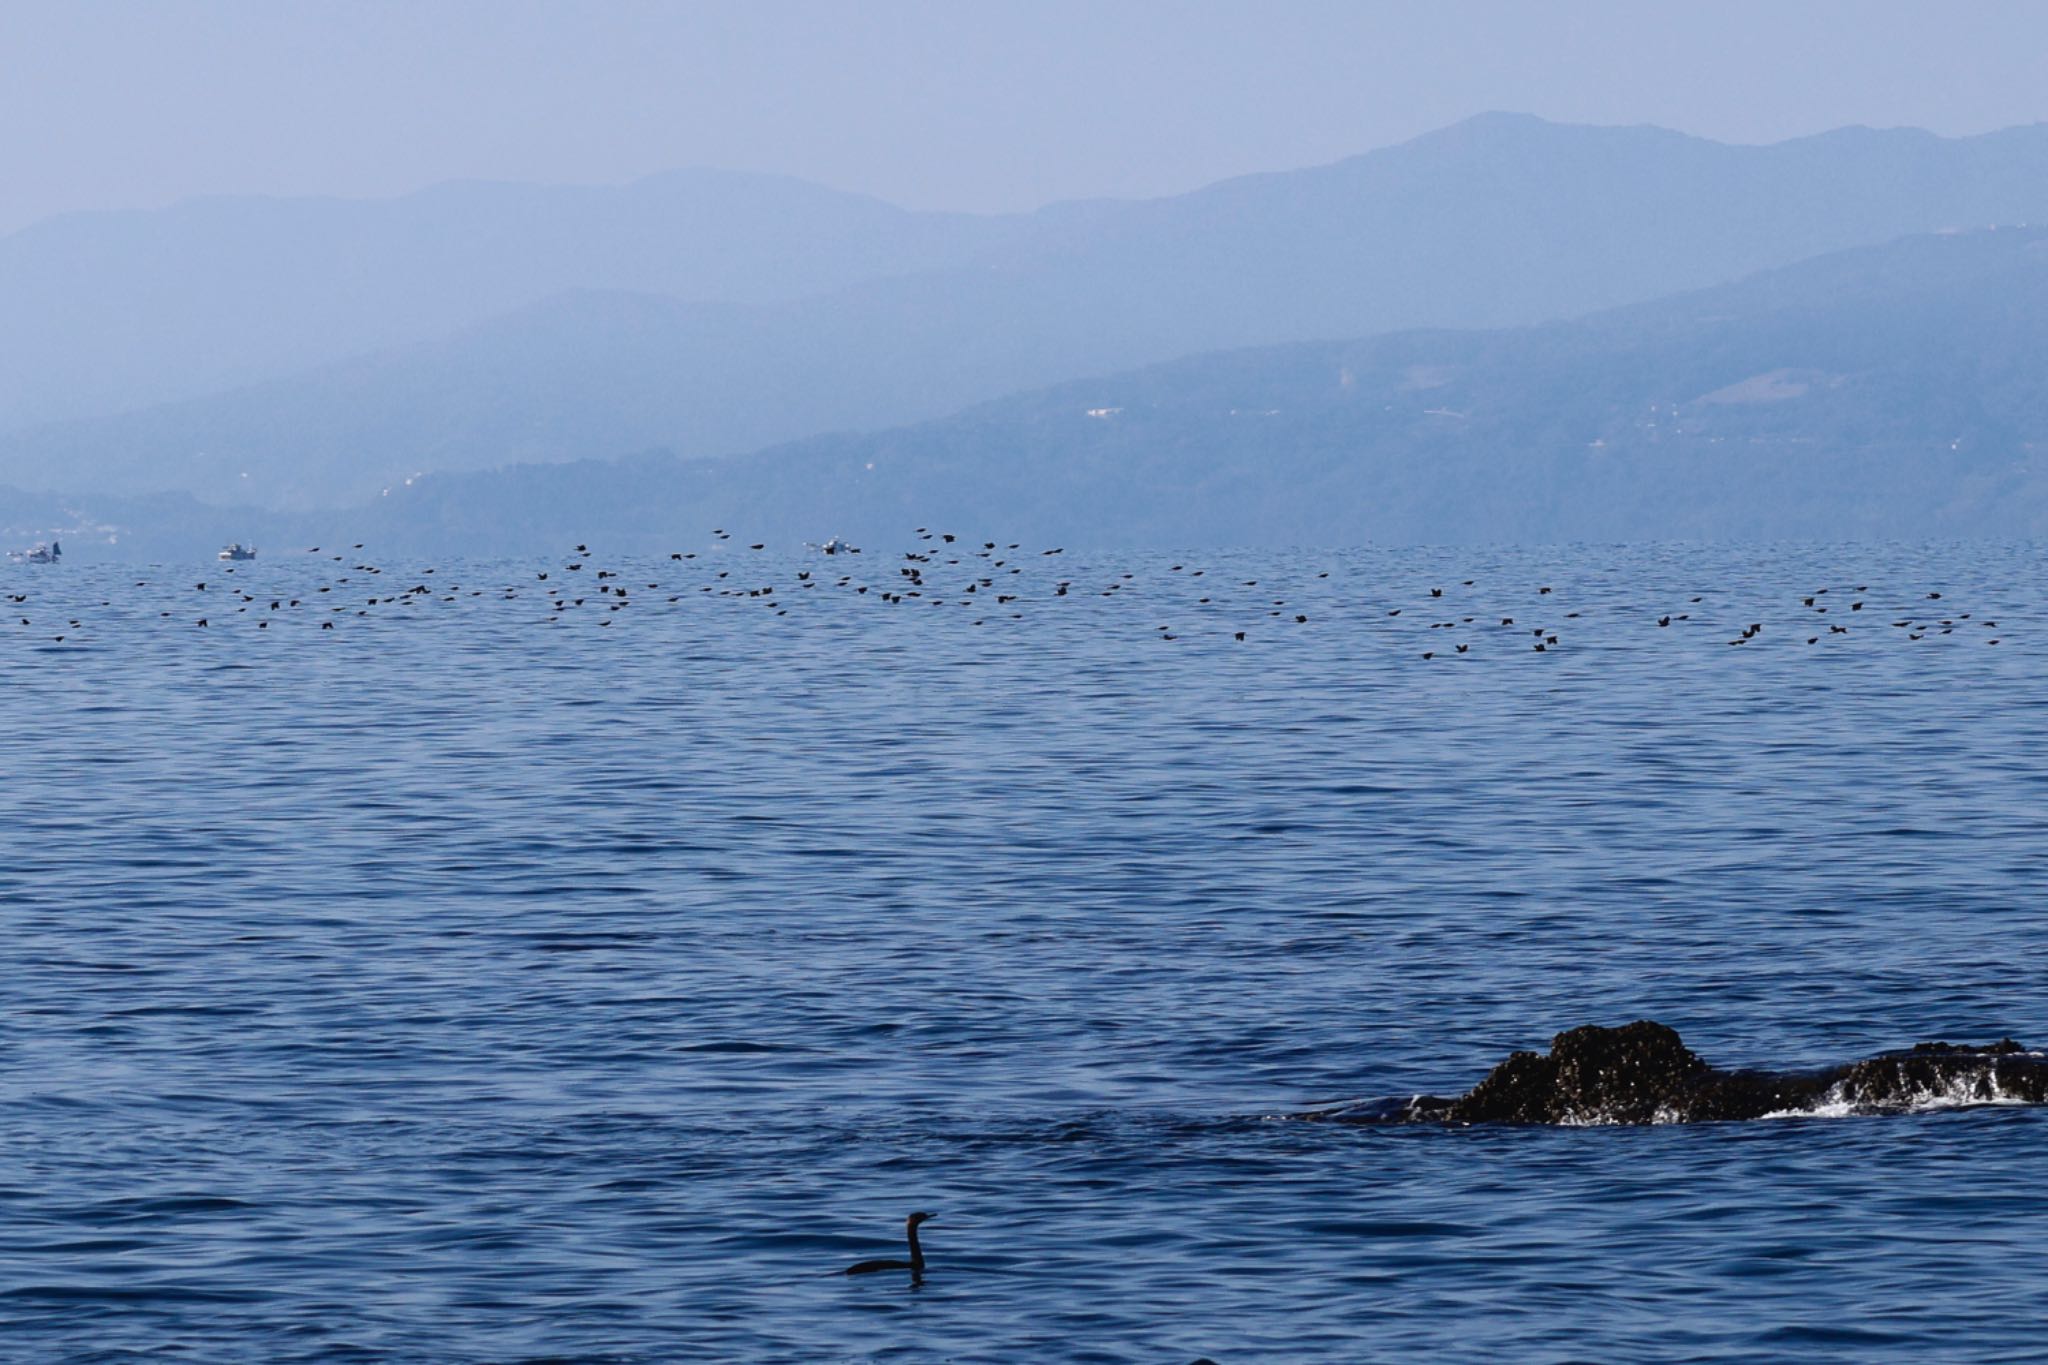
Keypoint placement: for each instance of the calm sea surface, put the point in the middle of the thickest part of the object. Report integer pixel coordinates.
(463, 985)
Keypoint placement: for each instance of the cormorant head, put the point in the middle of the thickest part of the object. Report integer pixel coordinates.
(917, 1218)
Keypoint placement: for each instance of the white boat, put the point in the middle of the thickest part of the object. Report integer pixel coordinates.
(38, 554)
(238, 552)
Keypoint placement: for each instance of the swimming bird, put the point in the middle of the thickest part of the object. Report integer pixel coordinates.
(915, 1265)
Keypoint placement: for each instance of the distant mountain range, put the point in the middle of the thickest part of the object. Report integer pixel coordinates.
(713, 315)
(104, 312)
(1892, 391)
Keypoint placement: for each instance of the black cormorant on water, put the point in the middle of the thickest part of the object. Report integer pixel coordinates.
(915, 1265)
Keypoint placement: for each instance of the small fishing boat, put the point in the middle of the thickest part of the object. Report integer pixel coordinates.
(38, 554)
(238, 552)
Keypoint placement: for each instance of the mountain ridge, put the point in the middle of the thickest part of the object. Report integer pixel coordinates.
(1500, 220)
(1887, 391)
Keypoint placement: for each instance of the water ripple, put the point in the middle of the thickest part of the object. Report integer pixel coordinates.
(457, 986)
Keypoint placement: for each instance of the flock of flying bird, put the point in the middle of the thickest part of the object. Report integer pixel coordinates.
(997, 581)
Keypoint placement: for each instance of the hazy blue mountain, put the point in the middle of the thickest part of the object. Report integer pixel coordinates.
(580, 374)
(1506, 219)
(1499, 220)
(585, 371)
(108, 311)
(1894, 391)
(1891, 391)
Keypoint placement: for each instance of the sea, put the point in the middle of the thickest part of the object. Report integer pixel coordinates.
(411, 964)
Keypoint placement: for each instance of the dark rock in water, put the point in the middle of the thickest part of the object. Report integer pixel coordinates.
(2002, 1071)
(1614, 1075)
(1644, 1073)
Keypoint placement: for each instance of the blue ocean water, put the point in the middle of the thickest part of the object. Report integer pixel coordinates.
(461, 984)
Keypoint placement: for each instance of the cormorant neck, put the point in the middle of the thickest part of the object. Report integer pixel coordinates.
(916, 1251)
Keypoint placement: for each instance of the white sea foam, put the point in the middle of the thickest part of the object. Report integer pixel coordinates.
(1977, 1089)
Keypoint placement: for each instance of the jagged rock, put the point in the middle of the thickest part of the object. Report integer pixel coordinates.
(1644, 1073)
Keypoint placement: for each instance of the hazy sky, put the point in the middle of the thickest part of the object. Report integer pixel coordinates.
(981, 104)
